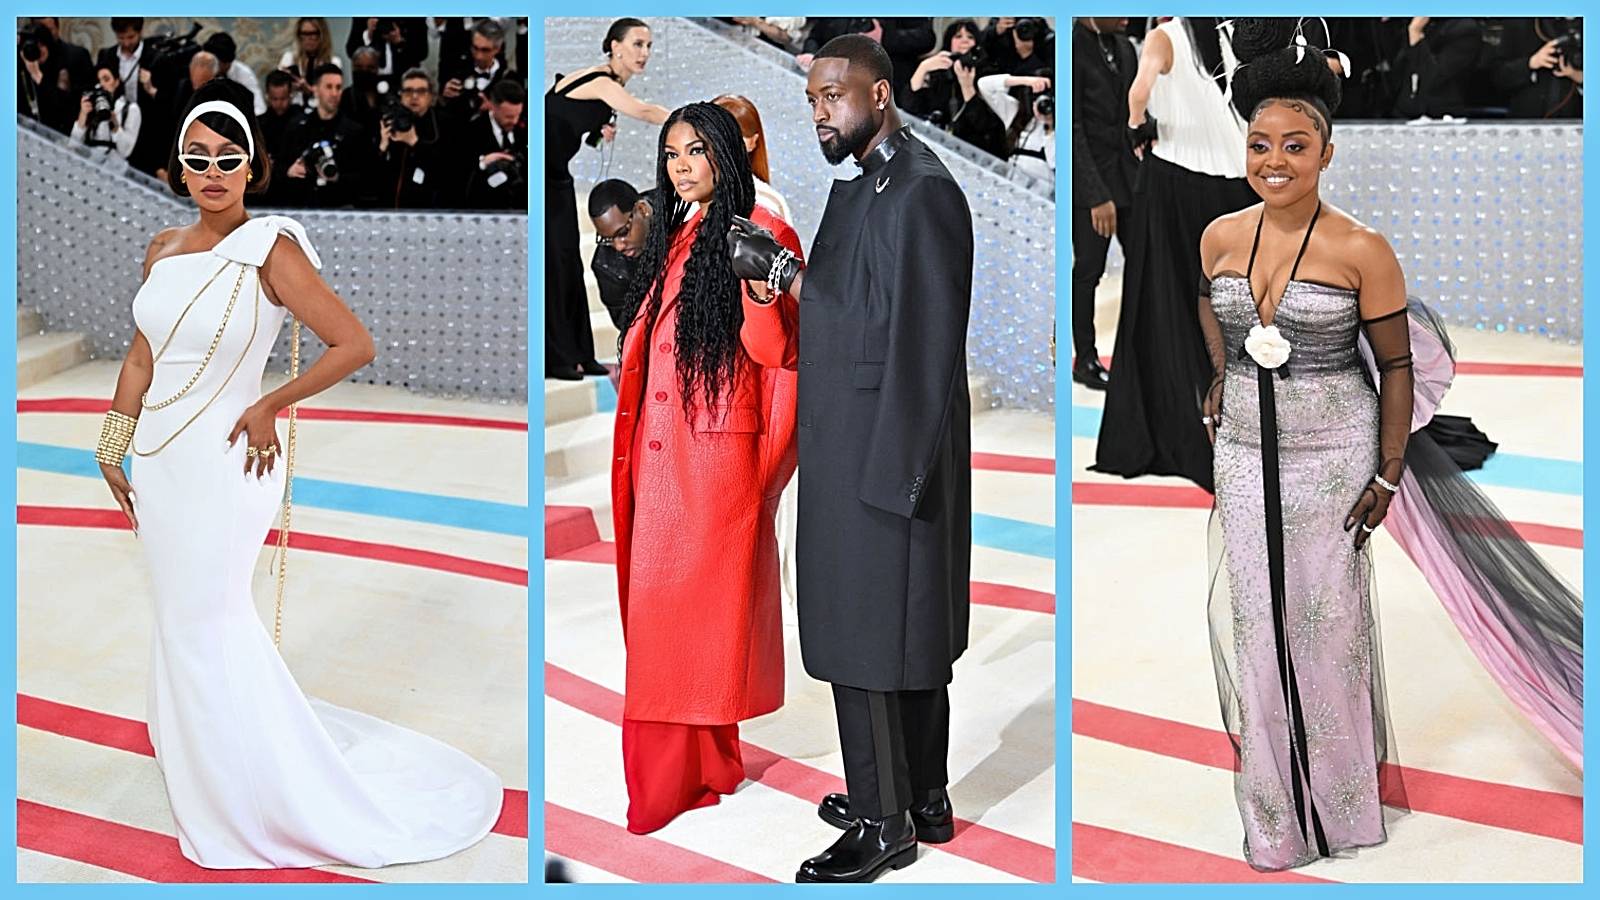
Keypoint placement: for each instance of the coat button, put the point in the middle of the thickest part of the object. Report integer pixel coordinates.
(665, 348)
(661, 395)
(655, 445)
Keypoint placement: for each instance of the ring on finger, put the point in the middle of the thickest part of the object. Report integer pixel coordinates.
(252, 451)
(1367, 528)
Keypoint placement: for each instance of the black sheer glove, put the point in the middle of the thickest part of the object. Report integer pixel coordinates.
(1140, 138)
(1390, 337)
(1211, 328)
(753, 249)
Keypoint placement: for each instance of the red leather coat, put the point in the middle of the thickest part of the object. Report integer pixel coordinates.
(693, 504)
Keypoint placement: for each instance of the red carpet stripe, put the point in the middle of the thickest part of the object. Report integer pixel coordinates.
(1117, 857)
(1544, 813)
(131, 735)
(1003, 462)
(1523, 369)
(1490, 368)
(134, 851)
(89, 517)
(636, 857)
(983, 593)
(1164, 496)
(988, 846)
(313, 414)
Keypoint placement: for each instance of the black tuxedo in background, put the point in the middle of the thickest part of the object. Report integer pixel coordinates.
(1103, 166)
(159, 123)
(411, 52)
(1433, 74)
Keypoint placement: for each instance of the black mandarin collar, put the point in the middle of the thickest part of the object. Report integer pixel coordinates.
(886, 149)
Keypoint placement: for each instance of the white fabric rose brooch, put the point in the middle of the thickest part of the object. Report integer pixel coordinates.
(1266, 346)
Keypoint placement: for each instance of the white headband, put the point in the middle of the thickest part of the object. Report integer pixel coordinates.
(227, 109)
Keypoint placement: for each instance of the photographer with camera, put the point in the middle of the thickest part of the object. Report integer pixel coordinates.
(127, 53)
(1019, 46)
(325, 153)
(944, 86)
(401, 43)
(465, 87)
(495, 151)
(412, 172)
(1027, 104)
(905, 39)
(42, 80)
(105, 117)
(1539, 68)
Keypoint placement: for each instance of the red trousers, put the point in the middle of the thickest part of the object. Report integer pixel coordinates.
(672, 768)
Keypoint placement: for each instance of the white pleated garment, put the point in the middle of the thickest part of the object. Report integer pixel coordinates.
(1197, 127)
(259, 775)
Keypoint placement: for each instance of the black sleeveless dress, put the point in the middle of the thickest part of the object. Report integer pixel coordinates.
(568, 338)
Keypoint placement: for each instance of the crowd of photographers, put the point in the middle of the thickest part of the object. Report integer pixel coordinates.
(991, 84)
(382, 131)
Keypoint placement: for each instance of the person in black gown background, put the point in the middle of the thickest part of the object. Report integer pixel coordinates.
(577, 109)
(1103, 171)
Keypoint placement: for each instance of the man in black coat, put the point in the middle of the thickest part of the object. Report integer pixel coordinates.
(885, 529)
(1103, 169)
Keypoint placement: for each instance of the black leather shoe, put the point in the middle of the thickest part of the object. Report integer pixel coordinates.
(934, 819)
(594, 368)
(564, 374)
(867, 849)
(1088, 372)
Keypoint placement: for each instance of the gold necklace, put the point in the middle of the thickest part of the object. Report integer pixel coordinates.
(216, 340)
(255, 322)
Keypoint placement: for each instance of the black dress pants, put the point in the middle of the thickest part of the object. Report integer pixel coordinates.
(895, 744)
(1088, 266)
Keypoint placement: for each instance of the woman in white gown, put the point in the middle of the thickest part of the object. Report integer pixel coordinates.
(259, 776)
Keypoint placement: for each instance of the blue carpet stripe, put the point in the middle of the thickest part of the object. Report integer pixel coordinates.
(1014, 535)
(433, 509)
(606, 395)
(1509, 470)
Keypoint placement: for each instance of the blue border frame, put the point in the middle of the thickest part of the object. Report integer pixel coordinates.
(536, 12)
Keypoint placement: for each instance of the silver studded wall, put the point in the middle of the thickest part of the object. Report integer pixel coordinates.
(1485, 217)
(444, 294)
(1013, 301)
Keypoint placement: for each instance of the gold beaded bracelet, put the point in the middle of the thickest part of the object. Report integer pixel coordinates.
(116, 433)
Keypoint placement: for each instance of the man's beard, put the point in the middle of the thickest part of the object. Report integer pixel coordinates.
(846, 143)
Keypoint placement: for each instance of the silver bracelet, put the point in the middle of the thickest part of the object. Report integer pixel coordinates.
(1391, 488)
(776, 272)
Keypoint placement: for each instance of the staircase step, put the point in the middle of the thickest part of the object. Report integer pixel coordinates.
(28, 322)
(591, 494)
(566, 401)
(567, 528)
(605, 333)
(40, 356)
(577, 448)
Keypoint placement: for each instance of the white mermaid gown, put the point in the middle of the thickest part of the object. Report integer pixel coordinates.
(259, 775)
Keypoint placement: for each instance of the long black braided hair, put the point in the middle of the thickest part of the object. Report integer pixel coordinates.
(709, 306)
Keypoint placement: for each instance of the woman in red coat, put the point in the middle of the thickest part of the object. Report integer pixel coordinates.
(704, 445)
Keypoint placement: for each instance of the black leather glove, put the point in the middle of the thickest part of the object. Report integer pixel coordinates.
(1142, 136)
(753, 249)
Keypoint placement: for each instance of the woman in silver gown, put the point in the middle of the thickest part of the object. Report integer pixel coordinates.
(1311, 338)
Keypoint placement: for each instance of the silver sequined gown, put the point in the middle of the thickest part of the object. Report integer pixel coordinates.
(1327, 423)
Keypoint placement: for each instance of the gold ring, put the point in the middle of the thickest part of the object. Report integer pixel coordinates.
(251, 451)
(269, 451)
